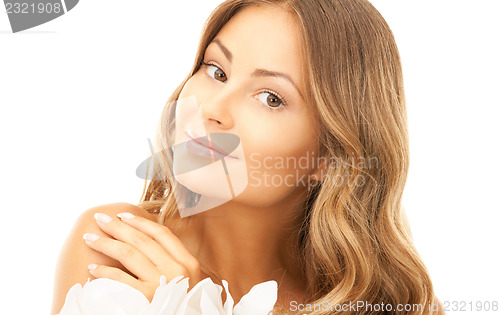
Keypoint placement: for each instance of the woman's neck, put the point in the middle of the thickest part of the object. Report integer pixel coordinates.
(247, 245)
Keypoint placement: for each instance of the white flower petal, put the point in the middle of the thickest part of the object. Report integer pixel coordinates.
(109, 297)
(167, 297)
(229, 303)
(209, 304)
(71, 305)
(192, 304)
(259, 300)
(104, 296)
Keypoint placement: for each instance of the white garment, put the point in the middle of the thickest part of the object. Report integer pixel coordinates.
(109, 297)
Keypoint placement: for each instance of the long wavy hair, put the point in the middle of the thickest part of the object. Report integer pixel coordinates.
(355, 241)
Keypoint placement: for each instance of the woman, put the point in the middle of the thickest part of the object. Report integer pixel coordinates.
(312, 93)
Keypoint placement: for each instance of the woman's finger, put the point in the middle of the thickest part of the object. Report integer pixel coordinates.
(146, 288)
(101, 271)
(141, 241)
(127, 255)
(163, 236)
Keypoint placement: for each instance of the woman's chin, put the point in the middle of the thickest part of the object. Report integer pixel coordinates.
(206, 182)
(210, 179)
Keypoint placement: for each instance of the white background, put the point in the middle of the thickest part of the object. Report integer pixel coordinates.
(80, 95)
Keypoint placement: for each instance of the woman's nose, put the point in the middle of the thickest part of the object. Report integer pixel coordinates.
(217, 110)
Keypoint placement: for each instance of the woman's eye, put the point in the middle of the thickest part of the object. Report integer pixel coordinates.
(216, 73)
(270, 99)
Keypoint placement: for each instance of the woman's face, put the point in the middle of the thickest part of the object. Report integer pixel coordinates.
(251, 86)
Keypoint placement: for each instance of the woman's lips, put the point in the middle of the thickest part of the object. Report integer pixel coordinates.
(201, 146)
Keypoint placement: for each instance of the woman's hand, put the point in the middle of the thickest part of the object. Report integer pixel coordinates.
(145, 248)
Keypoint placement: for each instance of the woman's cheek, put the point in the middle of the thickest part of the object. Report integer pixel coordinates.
(268, 183)
(279, 154)
(268, 179)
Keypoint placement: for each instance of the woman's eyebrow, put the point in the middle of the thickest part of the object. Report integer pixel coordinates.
(224, 49)
(257, 72)
(268, 73)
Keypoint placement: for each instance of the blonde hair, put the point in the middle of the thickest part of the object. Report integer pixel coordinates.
(355, 243)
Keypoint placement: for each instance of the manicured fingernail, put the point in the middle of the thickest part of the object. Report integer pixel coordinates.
(90, 237)
(92, 267)
(125, 215)
(103, 218)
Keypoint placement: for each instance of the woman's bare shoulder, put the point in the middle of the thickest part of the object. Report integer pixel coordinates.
(75, 255)
(112, 209)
